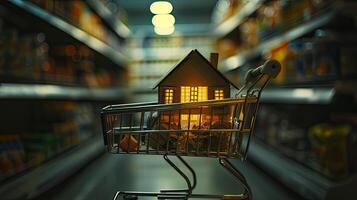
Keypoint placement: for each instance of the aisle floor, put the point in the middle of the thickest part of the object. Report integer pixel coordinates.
(109, 173)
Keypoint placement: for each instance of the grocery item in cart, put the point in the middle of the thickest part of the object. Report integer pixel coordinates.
(217, 118)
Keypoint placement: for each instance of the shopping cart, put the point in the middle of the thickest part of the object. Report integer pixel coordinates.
(214, 128)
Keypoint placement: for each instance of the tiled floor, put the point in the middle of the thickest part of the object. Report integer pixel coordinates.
(109, 173)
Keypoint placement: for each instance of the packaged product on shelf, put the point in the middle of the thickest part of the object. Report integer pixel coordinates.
(329, 147)
(71, 124)
(227, 47)
(79, 14)
(77, 8)
(280, 53)
(22, 57)
(12, 156)
(48, 5)
(349, 117)
(309, 59)
(226, 9)
(116, 10)
(318, 6)
(326, 59)
(294, 12)
(249, 34)
(40, 146)
(297, 66)
(268, 19)
(347, 58)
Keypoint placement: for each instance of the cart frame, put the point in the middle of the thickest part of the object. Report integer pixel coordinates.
(161, 129)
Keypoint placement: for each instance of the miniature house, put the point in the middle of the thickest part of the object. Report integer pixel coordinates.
(194, 79)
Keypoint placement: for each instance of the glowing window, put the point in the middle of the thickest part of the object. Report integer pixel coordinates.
(169, 96)
(218, 94)
(194, 121)
(202, 93)
(193, 94)
(185, 94)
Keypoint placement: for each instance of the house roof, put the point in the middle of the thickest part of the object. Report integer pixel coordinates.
(188, 57)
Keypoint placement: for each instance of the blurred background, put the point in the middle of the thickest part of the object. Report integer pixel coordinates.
(62, 61)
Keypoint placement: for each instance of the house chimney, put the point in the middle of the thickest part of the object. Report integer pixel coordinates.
(214, 59)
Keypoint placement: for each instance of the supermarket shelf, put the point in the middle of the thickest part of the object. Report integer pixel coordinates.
(298, 95)
(299, 178)
(47, 175)
(37, 91)
(234, 21)
(282, 95)
(234, 62)
(163, 53)
(119, 27)
(82, 36)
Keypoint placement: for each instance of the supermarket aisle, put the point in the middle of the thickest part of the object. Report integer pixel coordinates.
(101, 178)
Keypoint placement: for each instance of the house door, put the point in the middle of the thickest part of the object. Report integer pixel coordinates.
(192, 94)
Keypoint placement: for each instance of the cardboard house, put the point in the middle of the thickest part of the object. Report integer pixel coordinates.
(194, 79)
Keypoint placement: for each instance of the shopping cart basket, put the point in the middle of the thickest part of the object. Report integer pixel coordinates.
(214, 128)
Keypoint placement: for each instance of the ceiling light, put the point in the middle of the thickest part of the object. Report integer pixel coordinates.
(161, 7)
(164, 20)
(164, 30)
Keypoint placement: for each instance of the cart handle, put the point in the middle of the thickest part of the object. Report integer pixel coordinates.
(270, 67)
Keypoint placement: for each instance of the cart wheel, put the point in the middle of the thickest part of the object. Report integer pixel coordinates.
(130, 197)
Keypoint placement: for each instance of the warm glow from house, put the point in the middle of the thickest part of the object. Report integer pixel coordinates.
(193, 94)
(185, 94)
(194, 121)
(169, 96)
(161, 7)
(218, 94)
(202, 93)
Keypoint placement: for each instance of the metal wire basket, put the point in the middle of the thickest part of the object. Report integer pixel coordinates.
(214, 128)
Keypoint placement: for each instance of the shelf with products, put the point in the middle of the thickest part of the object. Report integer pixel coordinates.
(57, 92)
(315, 145)
(155, 56)
(111, 52)
(54, 76)
(315, 62)
(46, 130)
(305, 134)
(234, 15)
(164, 53)
(174, 41)
(32, 57)
(79, 14)
(296, 176)
(317, 78)
(114, 22)
(276, 22)
(169, 48)
(298, 95)
(282, 95)
(34, 182)
(235, 61)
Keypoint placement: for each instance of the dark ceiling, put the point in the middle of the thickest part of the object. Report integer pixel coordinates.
(186, 12)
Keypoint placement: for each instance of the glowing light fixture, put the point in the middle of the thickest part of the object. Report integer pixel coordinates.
(164, 30)
(165, 20)
(161, 7)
